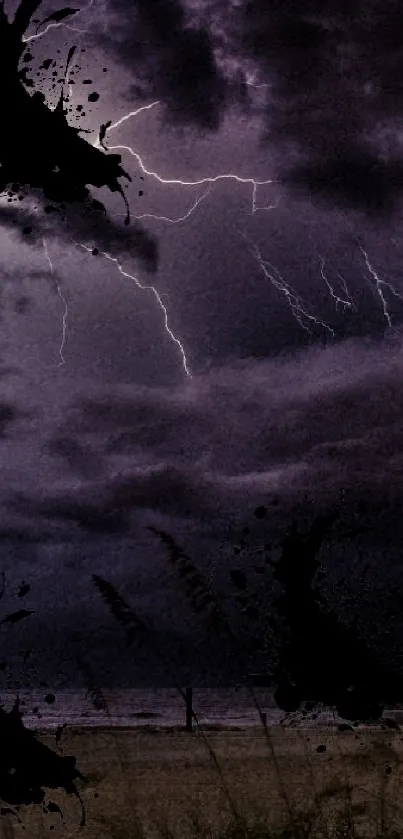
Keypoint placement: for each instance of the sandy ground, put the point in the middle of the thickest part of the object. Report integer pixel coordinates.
(137, 776)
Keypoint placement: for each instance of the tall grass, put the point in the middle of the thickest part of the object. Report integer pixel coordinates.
(130, 621)
(99, 701)
(305, 824)
(205, 604)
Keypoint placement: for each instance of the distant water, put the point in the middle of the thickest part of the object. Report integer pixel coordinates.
(139, 707)
(160, 706)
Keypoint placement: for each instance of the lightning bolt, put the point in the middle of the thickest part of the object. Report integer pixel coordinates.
(295, 303)
(129, 116)
(255, 208)
(157, 296)
(187, 215)
(346, 291)
(251, 82)
(28, 38)
(194, 206)
(210, 179)
(380, 284)
(64, 303)
(339, 301)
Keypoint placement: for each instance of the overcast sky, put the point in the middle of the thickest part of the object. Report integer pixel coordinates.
(261, 360)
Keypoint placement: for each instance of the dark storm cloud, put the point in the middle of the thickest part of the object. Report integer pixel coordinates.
(88, 510)
(79, 458)
(335, 97)
(88, 224)
(297, 436)
(302, 430)
(104, 507)
(241, 420)
(169, 59)
(7, 371)
(351, 177)
(10, 415)
(26, 533)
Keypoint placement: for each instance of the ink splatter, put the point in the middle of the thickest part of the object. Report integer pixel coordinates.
(27, 766)
(38, 148)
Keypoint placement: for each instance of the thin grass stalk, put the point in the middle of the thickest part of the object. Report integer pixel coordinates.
(129, 795)
(348, 785)
(382, 806)
(128, 619)
(199, 595)
(318, 796)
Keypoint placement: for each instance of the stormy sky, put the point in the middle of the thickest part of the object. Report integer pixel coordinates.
(239, 344)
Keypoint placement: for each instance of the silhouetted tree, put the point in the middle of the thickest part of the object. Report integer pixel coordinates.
(322, 659)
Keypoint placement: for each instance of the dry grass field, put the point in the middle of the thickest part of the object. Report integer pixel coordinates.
(143, 780)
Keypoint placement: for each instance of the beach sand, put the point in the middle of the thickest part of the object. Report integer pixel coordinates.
(135, 776)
